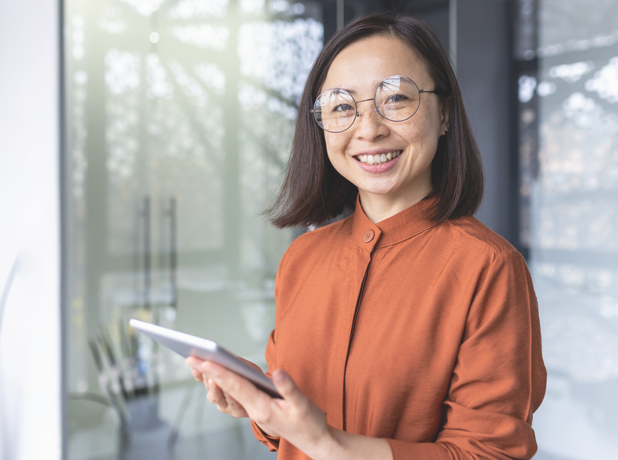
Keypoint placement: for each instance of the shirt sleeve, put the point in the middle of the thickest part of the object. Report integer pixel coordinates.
(499, 378)
(269, 441)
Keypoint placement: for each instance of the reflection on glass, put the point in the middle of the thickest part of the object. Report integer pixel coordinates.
(180, 116)
(573, 237)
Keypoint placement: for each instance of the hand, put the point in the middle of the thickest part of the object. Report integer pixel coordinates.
(295, 417)
(224, 402)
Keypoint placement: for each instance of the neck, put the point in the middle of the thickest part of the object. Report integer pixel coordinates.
(380, 207)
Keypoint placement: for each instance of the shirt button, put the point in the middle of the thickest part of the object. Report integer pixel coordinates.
(368, 236)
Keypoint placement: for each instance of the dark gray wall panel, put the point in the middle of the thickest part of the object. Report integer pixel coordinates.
(483, 70)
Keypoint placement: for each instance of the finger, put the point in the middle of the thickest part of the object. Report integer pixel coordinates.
(215, 395)
(225, 402)
(193, 364)
(253, 365)
(193, 361)
(241, 389)
(197, 375)
(234, 407)
(231, 402)
(287, 388)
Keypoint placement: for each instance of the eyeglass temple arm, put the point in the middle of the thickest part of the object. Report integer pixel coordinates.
(435, 91)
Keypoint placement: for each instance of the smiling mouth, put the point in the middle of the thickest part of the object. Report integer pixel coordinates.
(378, 159)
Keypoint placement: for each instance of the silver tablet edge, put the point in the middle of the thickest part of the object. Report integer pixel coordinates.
(259, 379)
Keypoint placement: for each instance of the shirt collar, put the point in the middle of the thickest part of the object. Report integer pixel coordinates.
(397, 228)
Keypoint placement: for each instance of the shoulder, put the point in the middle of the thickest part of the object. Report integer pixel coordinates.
(476, 237)
(320, 239)
(312, 255)
(489, 255)
(481, 250)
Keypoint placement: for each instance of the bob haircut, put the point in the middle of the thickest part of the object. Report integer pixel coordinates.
(313, 192)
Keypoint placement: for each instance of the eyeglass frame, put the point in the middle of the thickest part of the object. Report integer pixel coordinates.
(358, 115)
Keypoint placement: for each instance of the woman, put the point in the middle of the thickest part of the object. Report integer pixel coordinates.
(408, 330)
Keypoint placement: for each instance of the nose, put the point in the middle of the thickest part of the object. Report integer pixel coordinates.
(371, 125)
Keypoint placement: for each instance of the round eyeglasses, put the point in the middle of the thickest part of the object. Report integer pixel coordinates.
(397, 99)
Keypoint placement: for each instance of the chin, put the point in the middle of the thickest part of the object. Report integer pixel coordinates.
(379, 188)
(383, 191)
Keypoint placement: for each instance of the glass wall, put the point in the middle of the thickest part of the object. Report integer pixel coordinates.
(568, 118)
(179, 122)
(179, 117)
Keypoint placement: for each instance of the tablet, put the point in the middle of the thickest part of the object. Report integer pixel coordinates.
(189, 345)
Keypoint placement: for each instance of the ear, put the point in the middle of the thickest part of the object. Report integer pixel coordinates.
(446, 111)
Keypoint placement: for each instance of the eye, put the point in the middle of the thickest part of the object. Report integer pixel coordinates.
(342, 108)
(396, 98)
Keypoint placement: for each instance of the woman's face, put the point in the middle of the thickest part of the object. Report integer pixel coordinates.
(359, 68)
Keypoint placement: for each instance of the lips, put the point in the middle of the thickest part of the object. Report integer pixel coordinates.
(378, 158)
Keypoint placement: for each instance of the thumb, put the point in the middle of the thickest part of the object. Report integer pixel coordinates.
(286, 387)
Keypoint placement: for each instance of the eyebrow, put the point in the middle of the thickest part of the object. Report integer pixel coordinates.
(353, 92)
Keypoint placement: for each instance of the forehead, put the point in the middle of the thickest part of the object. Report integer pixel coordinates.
(364, 63)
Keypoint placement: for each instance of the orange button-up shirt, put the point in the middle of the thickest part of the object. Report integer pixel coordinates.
(424, 334)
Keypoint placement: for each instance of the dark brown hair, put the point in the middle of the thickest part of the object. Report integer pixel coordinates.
(314, 192)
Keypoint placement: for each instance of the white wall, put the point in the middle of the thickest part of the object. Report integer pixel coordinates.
(30, 417)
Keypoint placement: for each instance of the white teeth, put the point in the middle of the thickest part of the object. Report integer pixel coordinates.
(378, 159)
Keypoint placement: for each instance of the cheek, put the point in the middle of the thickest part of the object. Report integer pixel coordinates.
(423, 135)
(422, 144)
(335, 146)
(417, 136)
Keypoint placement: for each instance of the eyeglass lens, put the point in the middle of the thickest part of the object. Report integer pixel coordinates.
(397, 98)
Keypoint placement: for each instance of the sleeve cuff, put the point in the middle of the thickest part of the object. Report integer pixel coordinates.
(268, 441)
